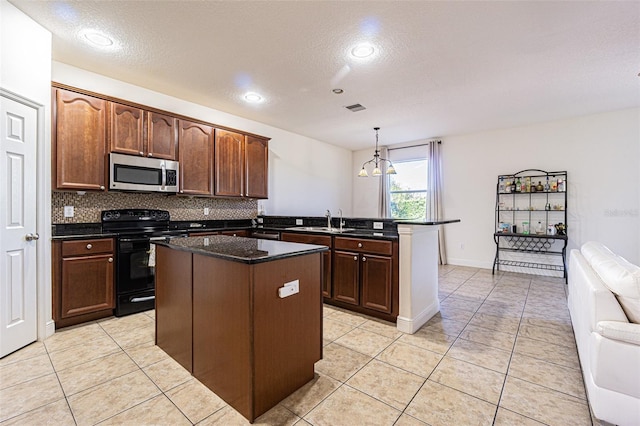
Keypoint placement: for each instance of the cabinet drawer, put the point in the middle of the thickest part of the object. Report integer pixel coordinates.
(363, 245)
(321, 240)
(84, 247)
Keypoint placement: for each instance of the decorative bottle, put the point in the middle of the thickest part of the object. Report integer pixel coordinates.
(546, 185)
(518, 185)
(561, 185)
(501, 186)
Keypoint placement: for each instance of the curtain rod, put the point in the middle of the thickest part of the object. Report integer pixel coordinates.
(412, 146)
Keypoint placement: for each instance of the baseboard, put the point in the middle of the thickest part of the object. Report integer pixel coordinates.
(50, 328)
(469, 263)
(410, 326)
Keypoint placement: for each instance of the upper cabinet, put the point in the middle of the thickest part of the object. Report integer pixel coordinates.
(195, 143)
(256, 166)
(128, 135)
(79, 141)
(229, 164)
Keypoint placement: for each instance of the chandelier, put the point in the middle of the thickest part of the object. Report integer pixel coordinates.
(377, 161)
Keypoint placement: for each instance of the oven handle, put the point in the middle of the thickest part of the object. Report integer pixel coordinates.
(141, 299)
(163, 167)
(157, 238)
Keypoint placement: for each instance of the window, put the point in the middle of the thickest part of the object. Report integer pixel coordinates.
(408, 189)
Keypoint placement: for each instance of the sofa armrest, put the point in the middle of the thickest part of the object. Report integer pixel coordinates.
(621, 331)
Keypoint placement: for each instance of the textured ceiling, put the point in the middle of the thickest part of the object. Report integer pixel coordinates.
(441, 68)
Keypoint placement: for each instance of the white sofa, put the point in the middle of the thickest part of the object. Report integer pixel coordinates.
(607, 335)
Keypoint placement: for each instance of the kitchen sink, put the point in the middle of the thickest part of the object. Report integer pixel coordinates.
(320, 229)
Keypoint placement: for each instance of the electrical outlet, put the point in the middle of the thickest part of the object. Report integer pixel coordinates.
(68, 211)
(206, 211)
(299, 222)
(461, 246)
(378, 225)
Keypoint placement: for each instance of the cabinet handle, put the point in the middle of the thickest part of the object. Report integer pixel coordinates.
(364, 259)
(359, 245)
(181, 191)
(89, 246)
(111, 260)
(101, 187)
(150, 155)
(355, 257)
(141, 153)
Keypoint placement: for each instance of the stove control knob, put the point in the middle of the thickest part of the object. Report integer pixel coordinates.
(117, 215)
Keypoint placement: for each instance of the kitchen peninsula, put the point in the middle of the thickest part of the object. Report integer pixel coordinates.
(243, 315)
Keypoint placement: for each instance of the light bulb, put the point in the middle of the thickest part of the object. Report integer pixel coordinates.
(376, 172)
(363, 173)
(391, 170)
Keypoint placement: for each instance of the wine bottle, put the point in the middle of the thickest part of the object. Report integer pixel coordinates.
(518, 187)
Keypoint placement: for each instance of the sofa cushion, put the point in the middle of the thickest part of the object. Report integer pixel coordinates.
(619, 275)
(621, 331)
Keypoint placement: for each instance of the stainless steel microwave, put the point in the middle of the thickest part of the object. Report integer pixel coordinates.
(131, 173)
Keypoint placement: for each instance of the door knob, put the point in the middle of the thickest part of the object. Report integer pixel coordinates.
(31, 237)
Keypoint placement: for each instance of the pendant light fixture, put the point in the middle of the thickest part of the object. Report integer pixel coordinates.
(377, 162)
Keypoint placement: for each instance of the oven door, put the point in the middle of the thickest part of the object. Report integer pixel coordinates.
(135, 268)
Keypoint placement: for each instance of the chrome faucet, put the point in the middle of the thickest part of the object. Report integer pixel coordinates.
(328, 216)
(341, 222)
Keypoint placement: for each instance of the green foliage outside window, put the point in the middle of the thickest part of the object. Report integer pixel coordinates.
(408, 190)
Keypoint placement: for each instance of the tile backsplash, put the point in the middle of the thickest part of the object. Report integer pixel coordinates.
(87, 207)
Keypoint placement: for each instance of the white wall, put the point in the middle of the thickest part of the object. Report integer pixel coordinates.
(600, 152)
(25, 69)
(365, 190)
(306, 176)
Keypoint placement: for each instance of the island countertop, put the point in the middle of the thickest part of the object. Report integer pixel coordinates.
(240, 249)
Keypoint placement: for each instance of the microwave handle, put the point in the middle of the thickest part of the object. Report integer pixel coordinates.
(163, 167)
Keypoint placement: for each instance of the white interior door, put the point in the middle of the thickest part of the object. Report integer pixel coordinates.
(18, 237)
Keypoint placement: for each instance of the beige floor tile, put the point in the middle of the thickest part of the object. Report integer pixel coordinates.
(126, 323)
(411, 358)
(328, 310)
(108, 399)
(155, 411)
(27, 396)
(427, 338)
(151, 314)
(167, 374)
(340, 362)
(455, 314)
(509, 418)
(494, 322)
(92, 373)
(460, 303)
(439, 405)
(556, 354)
(22, 371)
(146, 354)
(71, 336)
(334, 329)
(554, 323)
(553, 376)
(54, 414)
(364, 341)
(348, 406)
(469, 378)
(135, 337)
(543, 404)
(546, 334)
(195, 400)
(311, 394)
(407, 420)
(383, 328)
(448, 326)
(387, 383)
(30, 351)
(227, 416)
(79, 354)
(349, 318)
(503, 309)
(479, 354)
(493, 338)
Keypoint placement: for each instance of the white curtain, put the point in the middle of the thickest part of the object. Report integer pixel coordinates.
(384, 202)
(434, 193)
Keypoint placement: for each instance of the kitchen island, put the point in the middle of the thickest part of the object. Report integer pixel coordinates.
(244, 316)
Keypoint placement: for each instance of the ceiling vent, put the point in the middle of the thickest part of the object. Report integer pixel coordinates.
(355, 107)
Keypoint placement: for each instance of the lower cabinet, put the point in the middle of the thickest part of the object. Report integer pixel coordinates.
(321, 240)
(83, 280)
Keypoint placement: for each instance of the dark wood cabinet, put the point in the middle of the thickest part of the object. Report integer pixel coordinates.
(346, 284)
(126, 129)
(162, 139)
(256, 166)
(195, 147)
(83, 280)
(321, 240)
(237, 233)
(376, 279)
(229, 163)
(79, 134)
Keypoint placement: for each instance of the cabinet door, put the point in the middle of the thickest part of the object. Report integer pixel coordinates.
(87, 285)
(161, 136)
(229, 163)
(238, 233)
(256, 166)
(80, 140)
(321, 240)
(195, 143)
(127, 129)
(376, 282)
(346, 277)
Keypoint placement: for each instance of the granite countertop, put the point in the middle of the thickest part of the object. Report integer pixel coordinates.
(239, 249)
(356, 233)
(426, 222)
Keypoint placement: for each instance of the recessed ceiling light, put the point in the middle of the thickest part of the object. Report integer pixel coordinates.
(99, 39)
(362, 50)
(253, 97)
(338, 91)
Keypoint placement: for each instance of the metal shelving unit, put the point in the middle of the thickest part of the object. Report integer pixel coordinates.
(541, 198)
